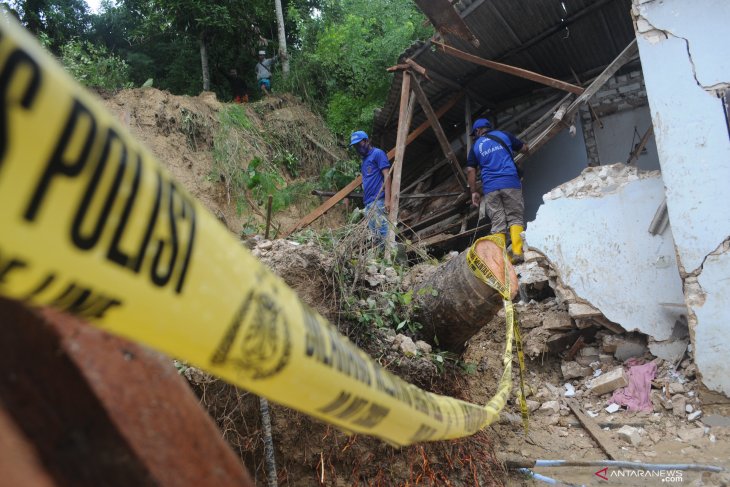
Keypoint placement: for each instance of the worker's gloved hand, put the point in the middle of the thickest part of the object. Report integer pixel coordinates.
(476, 198)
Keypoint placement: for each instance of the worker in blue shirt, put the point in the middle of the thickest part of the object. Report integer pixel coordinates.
(492, 153)
(375, 171)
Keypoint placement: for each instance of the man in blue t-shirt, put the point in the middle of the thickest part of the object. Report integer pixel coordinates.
(375, 171)
(492, 154)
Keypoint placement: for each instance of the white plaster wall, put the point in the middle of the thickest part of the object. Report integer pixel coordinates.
(710, 337)
(684, 57)
(689, 122)
(560, 160)
(615, 138)
(602, 249)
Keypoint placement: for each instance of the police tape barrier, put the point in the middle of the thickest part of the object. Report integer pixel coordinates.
(91, 224)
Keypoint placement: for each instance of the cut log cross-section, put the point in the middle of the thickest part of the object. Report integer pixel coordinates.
(453, 304)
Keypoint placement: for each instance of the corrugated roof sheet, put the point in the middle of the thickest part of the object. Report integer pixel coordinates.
(552, 37)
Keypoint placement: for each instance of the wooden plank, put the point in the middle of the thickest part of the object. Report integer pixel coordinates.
(644, 140)
(506, 68)
(437, 77)
(340, 195)
(594, 430)
(439, 131)
(405, 115)
(556, 126)
(403, 196)
(321, 209)
(443, 238)
(425, 125)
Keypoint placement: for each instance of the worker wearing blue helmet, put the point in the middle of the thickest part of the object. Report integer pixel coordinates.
(493, 153)
(375, 169)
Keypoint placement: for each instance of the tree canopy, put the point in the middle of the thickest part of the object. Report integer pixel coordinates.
(338, 49)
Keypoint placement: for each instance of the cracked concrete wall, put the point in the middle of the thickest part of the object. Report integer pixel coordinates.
(686, 70)
(594, 231)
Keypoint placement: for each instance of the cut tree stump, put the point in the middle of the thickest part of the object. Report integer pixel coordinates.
(453, 304)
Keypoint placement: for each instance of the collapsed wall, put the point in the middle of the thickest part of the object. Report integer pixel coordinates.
(688, 86)
(594, 230)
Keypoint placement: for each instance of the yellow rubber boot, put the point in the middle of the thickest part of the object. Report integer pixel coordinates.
(514, 233)
(501, 239)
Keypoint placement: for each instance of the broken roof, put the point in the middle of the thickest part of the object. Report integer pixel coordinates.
(561, 39)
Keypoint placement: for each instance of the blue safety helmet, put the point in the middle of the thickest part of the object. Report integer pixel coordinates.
(356, 137)
(480, 123)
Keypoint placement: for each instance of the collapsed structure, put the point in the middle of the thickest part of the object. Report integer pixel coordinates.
(587, 85)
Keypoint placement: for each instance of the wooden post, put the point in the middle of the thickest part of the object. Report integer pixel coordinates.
(404, 122)
(506, 68)
(341, 194)
(637, 151)
(439, 131)
(268, 216)
(467, 124)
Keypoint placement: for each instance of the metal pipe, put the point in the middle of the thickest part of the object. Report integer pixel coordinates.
(543, 478)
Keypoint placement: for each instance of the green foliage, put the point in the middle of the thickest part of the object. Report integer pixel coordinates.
(93, 65)
(341, 61)
(61, 21)
(340, 174)
(253, 183)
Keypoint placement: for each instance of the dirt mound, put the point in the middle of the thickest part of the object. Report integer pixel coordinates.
(181, 132)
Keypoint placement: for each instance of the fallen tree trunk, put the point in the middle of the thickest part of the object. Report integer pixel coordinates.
(453, 304)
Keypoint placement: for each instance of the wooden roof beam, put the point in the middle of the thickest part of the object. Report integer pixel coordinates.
(506, 68)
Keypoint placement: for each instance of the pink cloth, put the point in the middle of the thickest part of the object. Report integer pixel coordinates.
(637, 396)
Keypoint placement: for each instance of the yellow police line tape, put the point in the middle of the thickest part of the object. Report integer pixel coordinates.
(92, 225)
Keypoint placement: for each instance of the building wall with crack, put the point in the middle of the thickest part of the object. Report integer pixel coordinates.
(687, 75)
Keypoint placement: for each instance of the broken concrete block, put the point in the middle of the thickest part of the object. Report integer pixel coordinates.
(550, 407)
(573, 370)
(676, 388)
(532, 406)
(612, 408)
(658, 398)
(582, 311)
(405, 345)
(630, 435)
(560, 341)
(690, 434)
(695, 415)
(558, 320)
(672, 349)
(609, 343)
(586, 360)
(629, 348)
(592, 351)
(423, 346)
(609, 381)
(679, 405)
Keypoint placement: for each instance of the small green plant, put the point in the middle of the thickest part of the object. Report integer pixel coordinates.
(340, 174)
(93, 65)
(290, 162)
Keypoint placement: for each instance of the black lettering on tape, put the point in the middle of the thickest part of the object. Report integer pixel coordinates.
(42, 286)
(342, 399)
(13, 65)
(424, 433)
(224, 347)
(152, 221)
(115, 253)
(357, 410)
(7, 266)
(58, 164)
(87, 242)
(189, 213)
(84, 302)
(161, 277)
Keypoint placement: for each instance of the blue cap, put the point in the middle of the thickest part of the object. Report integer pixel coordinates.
(356, 137)
(480, 123)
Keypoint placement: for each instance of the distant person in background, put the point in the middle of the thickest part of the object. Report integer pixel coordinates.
(375, 170)
(263, 71)
(238, 86)
(493, 153)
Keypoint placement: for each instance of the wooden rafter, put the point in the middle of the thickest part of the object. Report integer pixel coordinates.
(439, 131)
(341, 194)
(506, 68)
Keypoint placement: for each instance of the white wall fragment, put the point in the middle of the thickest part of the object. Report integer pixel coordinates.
(596, 237)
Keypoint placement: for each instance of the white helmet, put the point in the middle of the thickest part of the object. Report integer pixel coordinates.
(262, 53)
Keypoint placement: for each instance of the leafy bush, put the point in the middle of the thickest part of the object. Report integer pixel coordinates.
(93, 65)
(340, 174)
